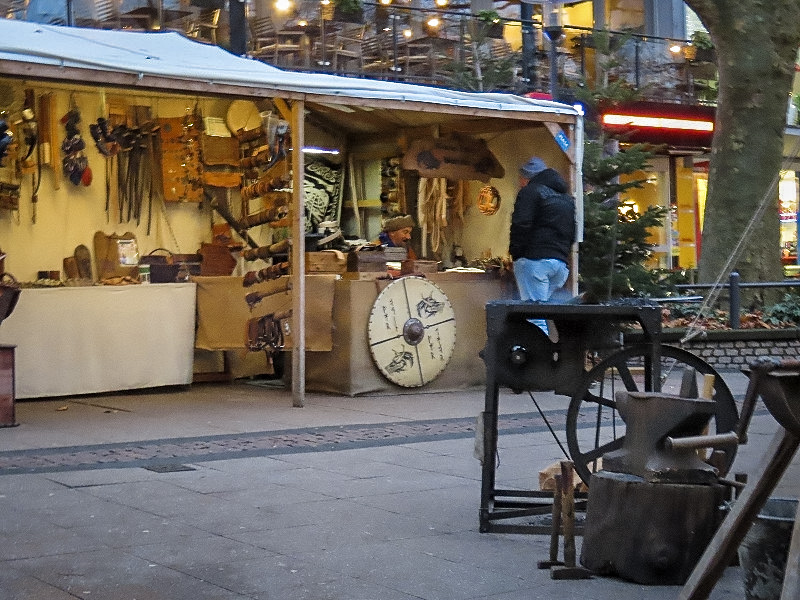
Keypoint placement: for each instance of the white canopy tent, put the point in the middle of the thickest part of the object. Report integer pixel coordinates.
(167, 62)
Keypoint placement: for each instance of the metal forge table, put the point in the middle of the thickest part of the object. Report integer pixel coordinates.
(518, 355)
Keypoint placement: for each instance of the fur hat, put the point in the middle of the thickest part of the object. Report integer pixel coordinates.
(398, 222)
(531, 168)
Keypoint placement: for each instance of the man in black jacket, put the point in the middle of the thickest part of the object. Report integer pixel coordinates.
(542, 231)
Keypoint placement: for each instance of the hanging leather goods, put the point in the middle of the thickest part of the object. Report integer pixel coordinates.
(266, 333)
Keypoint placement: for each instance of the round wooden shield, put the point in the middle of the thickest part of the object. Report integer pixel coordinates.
(412, 331)
(242, 114)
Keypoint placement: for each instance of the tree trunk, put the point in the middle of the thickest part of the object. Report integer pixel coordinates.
(756, 45)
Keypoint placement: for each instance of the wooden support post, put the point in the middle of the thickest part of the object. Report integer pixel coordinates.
(569, 570)
(723, 546)
(298, 250)
(555, 532)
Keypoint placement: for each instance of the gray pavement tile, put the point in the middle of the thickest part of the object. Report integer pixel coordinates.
(16, 585)
(91, 477)
(187, 552)
(341, 525)
(115, 575)
(39, 542)
(246, 466)
(135, 528)
(272, 497)
(282, 577)
(414, 571)
(446, 505)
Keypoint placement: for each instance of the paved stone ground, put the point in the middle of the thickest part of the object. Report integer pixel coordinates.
(168, 452)
(246, 498)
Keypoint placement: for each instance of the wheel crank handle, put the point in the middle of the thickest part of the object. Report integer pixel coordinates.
(701, 441)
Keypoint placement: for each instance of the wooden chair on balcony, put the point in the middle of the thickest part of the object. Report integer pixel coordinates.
(418, 59)
(272, 46)
(347, 52)
(205, 26)
(376, 56)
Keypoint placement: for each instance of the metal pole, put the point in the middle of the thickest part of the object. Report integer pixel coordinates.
(528, 45)
(553, 69)
(395, 67)
(734, 301)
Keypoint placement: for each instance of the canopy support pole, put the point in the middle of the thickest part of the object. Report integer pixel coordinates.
(298, 251)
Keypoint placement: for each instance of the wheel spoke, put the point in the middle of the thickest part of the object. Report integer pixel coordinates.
(595, 453)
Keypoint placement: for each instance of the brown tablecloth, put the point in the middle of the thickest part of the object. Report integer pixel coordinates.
(223, 313)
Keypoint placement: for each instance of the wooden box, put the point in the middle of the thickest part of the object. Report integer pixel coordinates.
(326, 261)
(411, 266)
(366, 261)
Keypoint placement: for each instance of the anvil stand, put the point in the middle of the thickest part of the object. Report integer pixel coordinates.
(778, 383)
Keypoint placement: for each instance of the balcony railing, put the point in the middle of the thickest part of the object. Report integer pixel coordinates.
(460, 52)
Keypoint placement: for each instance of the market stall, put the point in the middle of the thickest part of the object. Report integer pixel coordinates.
(154, 138)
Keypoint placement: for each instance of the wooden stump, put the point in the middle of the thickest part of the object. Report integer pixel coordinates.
(648, 533)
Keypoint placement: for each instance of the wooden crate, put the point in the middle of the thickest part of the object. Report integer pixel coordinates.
(326, 261)
(411, 266)
(366, 261)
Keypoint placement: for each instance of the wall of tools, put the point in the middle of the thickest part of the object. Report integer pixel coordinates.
(160, 170)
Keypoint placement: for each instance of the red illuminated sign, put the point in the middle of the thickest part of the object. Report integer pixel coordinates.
(675, 125)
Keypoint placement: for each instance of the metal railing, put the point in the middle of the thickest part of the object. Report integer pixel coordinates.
(735, 287)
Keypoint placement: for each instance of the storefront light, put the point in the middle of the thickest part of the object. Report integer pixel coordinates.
(316, 150)
(657, 122)
(283, 6)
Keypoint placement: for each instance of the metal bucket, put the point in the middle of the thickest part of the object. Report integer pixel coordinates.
(763, 552)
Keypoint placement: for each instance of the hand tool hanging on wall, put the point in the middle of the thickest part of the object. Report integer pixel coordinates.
(226, 214)
(30, 131)
(267, 252)
(265, 274)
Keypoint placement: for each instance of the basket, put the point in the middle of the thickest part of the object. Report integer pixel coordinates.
(164, 268)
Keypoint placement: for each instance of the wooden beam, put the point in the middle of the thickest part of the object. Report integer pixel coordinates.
(557, 132)
(298, 320)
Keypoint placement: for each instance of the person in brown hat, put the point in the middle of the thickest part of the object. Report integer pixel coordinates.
(397, 233)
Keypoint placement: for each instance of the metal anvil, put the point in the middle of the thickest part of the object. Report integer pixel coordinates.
(655, 425)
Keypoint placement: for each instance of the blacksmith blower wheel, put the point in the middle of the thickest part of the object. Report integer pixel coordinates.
(595, 427)
(412, 331)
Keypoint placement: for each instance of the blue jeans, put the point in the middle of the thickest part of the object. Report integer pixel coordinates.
(538, 279)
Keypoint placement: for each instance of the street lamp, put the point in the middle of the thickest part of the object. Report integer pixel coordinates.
(554, 30)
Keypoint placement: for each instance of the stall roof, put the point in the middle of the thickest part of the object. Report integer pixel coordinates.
(168, 61)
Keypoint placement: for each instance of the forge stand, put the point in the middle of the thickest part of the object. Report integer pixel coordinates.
(519, 356)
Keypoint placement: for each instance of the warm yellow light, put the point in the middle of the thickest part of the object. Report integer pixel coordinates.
(325, 2)
(675, 48)
(407, 33)
(442, 3)
(433, 22)
(658, 122)
(283, 5)
(386, 2)
(302, 23)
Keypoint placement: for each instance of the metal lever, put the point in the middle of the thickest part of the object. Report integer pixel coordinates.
(695, 442)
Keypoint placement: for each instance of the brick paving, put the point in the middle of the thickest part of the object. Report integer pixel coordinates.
(207, 448)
